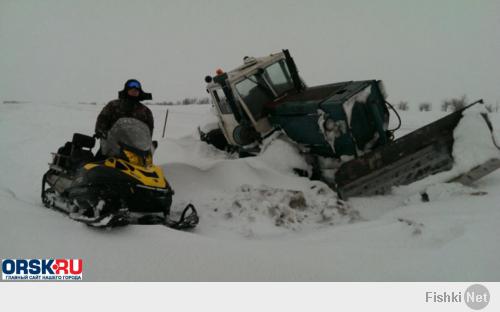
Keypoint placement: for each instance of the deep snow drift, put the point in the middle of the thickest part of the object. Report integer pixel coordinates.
(259, 221)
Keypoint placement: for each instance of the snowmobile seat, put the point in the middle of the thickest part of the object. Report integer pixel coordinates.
(72, 155)
(82, 140)
(61, 159)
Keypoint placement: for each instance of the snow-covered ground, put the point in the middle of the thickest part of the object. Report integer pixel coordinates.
(259, 222)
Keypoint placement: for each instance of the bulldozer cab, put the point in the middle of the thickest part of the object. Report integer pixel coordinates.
(243, 96)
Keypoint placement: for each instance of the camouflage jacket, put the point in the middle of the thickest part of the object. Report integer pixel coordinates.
(120, 108)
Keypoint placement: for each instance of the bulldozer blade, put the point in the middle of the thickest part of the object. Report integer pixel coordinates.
(424, 152)
(477, 172)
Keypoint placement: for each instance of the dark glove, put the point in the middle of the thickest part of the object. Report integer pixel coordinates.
(100, 135)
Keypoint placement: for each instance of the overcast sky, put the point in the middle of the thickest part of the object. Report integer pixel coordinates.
(84, 50)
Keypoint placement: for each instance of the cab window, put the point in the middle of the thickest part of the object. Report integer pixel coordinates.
(279, 77)
(255, 93)
(221, 101)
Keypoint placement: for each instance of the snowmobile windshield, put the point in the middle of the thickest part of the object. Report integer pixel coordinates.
(129, 132)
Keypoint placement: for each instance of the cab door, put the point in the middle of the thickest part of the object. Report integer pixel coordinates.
(227, 121)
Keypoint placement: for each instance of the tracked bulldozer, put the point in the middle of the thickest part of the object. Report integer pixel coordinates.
(342, 129)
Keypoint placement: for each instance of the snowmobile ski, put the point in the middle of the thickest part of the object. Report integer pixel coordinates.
(188, 220)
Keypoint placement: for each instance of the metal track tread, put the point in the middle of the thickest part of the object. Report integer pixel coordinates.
(425, 162)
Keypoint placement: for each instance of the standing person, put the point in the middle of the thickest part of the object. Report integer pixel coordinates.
(127, 105)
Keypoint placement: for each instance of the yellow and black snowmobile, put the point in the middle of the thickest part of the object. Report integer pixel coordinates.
(126, 187)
